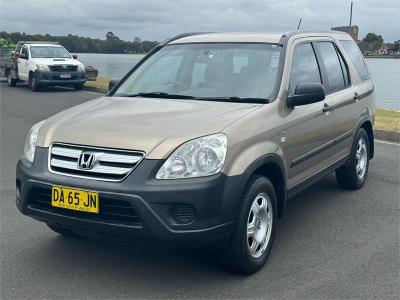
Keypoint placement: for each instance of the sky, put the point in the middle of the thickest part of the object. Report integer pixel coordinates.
(159, 19)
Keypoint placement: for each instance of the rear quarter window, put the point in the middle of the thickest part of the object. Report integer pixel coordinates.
(354, 53)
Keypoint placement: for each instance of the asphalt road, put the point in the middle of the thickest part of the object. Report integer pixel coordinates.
(331, 243)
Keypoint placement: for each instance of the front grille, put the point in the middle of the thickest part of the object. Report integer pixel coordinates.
(63, 68)
(111, 210)
(108, 164)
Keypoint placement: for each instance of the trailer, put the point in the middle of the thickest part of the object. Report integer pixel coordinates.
(8, 65)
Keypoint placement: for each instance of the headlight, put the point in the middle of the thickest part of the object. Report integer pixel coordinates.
(31, 139)
(81, 67)
(197, 158)
(42, 67)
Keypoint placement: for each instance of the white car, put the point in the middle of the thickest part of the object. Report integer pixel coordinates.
(45, 64)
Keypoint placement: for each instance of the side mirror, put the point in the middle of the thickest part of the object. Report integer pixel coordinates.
(23, 56)
(306, 93)
(74, 56)
(112, 83)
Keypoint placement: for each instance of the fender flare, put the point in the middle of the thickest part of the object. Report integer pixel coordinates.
(366, 118)
(251, 169)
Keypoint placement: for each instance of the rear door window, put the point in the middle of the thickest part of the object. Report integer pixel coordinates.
(304, 67)
(330, 58)
(356, 58)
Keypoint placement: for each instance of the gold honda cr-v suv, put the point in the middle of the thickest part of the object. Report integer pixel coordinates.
(203, 141)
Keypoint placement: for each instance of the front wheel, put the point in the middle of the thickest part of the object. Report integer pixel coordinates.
(250, 244)
(34, 84)
(11, 82)
(353, 175)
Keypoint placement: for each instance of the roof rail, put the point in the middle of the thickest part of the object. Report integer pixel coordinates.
(179, 36)
(37, 42)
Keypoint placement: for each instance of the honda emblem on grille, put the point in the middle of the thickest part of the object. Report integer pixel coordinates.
(86, 160)
(64, 67)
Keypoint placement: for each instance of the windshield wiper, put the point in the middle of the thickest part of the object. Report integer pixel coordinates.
(179, 96)
(158, 95)
(238, 99)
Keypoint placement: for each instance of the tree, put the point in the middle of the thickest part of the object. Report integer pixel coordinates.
(374, 40)
(395, 47)
(79, 44)
(110, 36)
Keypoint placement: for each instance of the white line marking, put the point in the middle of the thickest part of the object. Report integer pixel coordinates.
(385, 142)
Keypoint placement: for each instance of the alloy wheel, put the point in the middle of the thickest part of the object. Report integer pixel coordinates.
(259, 225)
(361, 158)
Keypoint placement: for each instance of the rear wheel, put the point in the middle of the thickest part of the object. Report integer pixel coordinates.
(250, 244)
(353, 175)
(61, 230)
(78, 86)
(11, 82)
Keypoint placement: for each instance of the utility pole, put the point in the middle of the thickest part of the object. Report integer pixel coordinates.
(351, 16)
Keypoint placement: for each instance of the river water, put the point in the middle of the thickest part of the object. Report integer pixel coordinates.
(385, 73)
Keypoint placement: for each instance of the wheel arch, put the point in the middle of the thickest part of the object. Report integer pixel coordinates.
(366, 124)
(272, 167)
(30, 75)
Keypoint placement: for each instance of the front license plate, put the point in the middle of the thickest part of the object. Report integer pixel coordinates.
(81, 200)
(65, 76)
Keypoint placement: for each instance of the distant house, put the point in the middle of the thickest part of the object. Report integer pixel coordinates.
(364, 47)
(353, 31)
(384, 49)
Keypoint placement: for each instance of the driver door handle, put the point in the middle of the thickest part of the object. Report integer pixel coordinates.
(327, 108)
(356, 97)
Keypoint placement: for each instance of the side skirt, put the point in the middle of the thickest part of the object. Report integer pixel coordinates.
(305, 183)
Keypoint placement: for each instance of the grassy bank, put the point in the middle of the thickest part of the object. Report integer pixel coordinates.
(385, 119)
(101, 82)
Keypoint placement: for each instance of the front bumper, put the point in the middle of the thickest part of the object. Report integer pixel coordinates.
(153, 203)
(55, 78)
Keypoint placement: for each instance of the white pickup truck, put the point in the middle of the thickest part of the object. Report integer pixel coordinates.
(42, 64)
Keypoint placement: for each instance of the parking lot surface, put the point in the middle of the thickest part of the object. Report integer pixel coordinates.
(331, 243)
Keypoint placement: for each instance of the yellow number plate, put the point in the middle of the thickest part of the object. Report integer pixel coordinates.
(75, 199)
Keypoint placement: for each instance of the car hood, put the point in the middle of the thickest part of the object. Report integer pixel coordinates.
(56, 61)
(155, 126)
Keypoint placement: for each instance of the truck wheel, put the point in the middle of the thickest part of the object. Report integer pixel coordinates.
(353, 175)
(78, 86)
(11, 82)
(33, 84)
(61, 230)
(250, 243)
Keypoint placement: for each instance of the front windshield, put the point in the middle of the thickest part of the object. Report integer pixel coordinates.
(49, 52)
(207, 70)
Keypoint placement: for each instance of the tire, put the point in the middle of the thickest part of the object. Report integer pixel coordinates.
(78, 86)
(352, 176)
(236, 254)
(61, 230)
(11, 82)
(35, 87)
